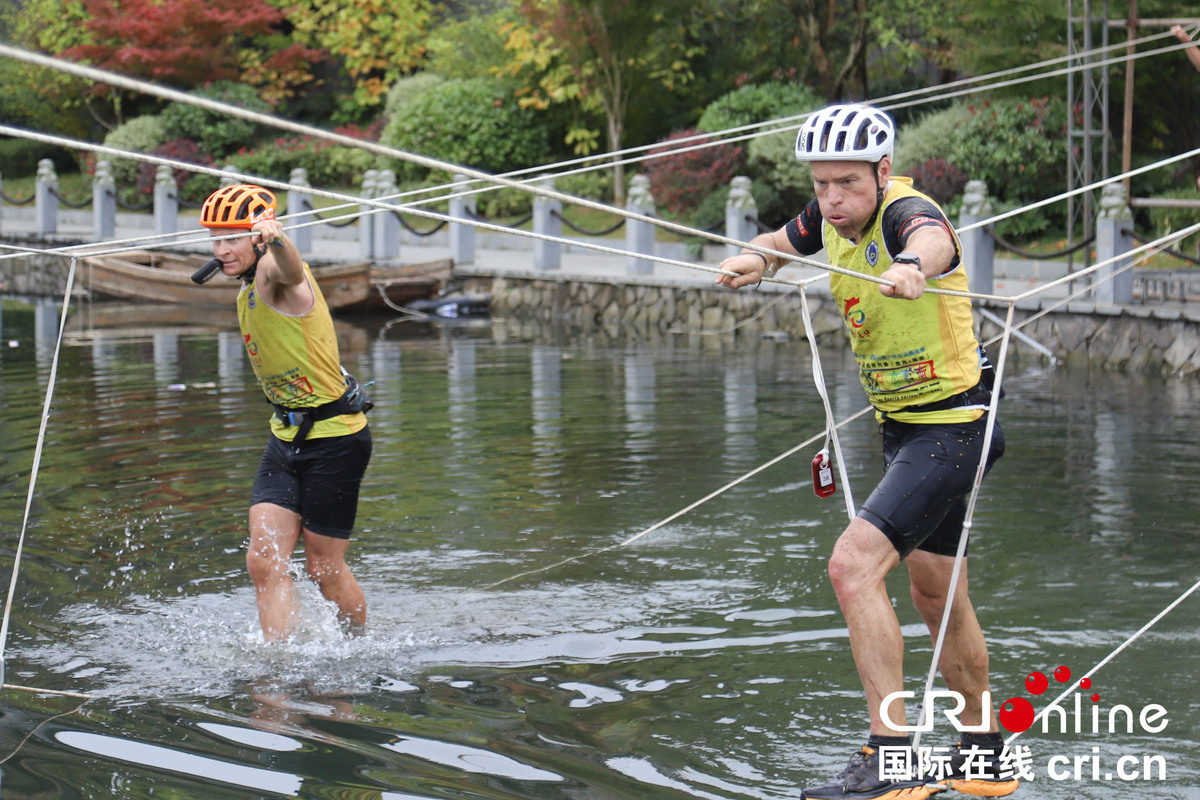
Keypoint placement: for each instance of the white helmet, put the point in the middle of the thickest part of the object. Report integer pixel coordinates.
(853, 132)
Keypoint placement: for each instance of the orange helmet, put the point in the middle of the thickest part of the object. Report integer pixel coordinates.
(237, 206)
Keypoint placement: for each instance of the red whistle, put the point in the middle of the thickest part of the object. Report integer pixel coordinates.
(823, 484)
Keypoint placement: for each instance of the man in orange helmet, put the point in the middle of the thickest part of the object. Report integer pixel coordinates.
(319, 446)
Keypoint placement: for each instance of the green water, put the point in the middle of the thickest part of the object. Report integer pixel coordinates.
(707, 659)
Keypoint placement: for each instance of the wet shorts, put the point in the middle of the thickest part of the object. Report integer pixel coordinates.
(921, 502)
(319, 480)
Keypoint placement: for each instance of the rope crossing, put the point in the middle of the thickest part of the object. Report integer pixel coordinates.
(1040, 71)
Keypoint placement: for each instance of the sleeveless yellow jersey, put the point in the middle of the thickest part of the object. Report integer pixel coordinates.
(295, 359)
(909, 352)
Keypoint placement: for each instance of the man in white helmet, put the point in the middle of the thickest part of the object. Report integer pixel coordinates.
(929, 381)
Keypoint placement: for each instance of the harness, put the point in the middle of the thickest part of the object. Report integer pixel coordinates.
(353, 401)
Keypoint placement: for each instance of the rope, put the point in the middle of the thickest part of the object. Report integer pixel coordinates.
(37, 458)
(64, 201)
(830, 424)
(1012, 248)
(1170, 252)
(514, 224)
(781, 457)
(602, 232)
(12, 201)
(1137, 635)
(956, 570)
(404, 224)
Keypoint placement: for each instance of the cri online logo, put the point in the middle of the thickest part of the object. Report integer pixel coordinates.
(1016, 713)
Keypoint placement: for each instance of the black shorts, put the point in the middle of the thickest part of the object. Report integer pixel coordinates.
(929, 471)
(319, 480)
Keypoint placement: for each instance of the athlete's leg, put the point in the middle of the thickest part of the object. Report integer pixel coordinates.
(326, 562)
(964, 657)
(862, 558)
(274, 532)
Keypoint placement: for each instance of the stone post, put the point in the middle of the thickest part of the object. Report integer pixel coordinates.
(979, 249)
(166, 200)
(547, 222)
(462, 236)
(226, 181)
(741, 215)
(1114, 224)
(639, 235)
(104, 201)
(387, 223)
(366, 221)
(299, 206)
(45, 194)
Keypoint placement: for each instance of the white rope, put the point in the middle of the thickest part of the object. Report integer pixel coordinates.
(37, 459)
(964, 535)
(1137, 635)
(781, 457)
(831, 427)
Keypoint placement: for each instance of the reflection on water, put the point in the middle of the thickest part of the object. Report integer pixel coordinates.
(706, 660)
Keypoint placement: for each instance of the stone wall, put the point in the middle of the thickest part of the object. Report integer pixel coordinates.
(1159, 338)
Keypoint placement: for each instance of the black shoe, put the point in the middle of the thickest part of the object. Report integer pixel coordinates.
(861, 779)
(979, 771)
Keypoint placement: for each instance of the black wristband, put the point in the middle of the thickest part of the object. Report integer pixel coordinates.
(766, 264)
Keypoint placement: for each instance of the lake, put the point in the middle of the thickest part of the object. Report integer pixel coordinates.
(707, 659)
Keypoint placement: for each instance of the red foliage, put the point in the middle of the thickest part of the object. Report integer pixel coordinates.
(939, 179)
(177, 150)
(185, 42)
(681, 180)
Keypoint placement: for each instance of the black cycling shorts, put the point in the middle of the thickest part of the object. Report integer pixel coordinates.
(318, 479)
(929, 471)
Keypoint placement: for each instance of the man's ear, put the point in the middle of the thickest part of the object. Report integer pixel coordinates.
(884, 170)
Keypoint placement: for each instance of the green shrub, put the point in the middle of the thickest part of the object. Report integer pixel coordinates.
(710, 215)
(1016, 147)
(328, 165)
(408, 89)
(771, 160)
(143, 134)
(932, 136)
(471, 122)
(1167, 220)
(19, 158)
(217, 133)
(762, 102)
(594, 185)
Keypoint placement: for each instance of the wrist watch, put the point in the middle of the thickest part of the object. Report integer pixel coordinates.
(908, 258)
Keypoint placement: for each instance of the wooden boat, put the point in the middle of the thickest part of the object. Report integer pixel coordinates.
(394, 286)
(157, 277)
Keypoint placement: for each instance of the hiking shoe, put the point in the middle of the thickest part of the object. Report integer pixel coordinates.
(861, 779)
(980, 771)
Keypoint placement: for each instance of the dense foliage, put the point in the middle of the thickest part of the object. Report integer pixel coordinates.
(220, 133)
(469, 122)
(500, 85)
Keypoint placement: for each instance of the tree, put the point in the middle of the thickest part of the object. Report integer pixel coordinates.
(186, 43)
(378, 41)
(595, 53)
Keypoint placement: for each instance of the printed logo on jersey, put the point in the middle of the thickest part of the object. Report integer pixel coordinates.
(251, 347)
(873, 253)
(250, 299)
(919, 221)
(855, 317)
(899, 378)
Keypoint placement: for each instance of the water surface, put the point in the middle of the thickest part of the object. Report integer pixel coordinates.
(707, 659)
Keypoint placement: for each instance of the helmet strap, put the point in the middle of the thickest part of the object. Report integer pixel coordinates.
(248, 275)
